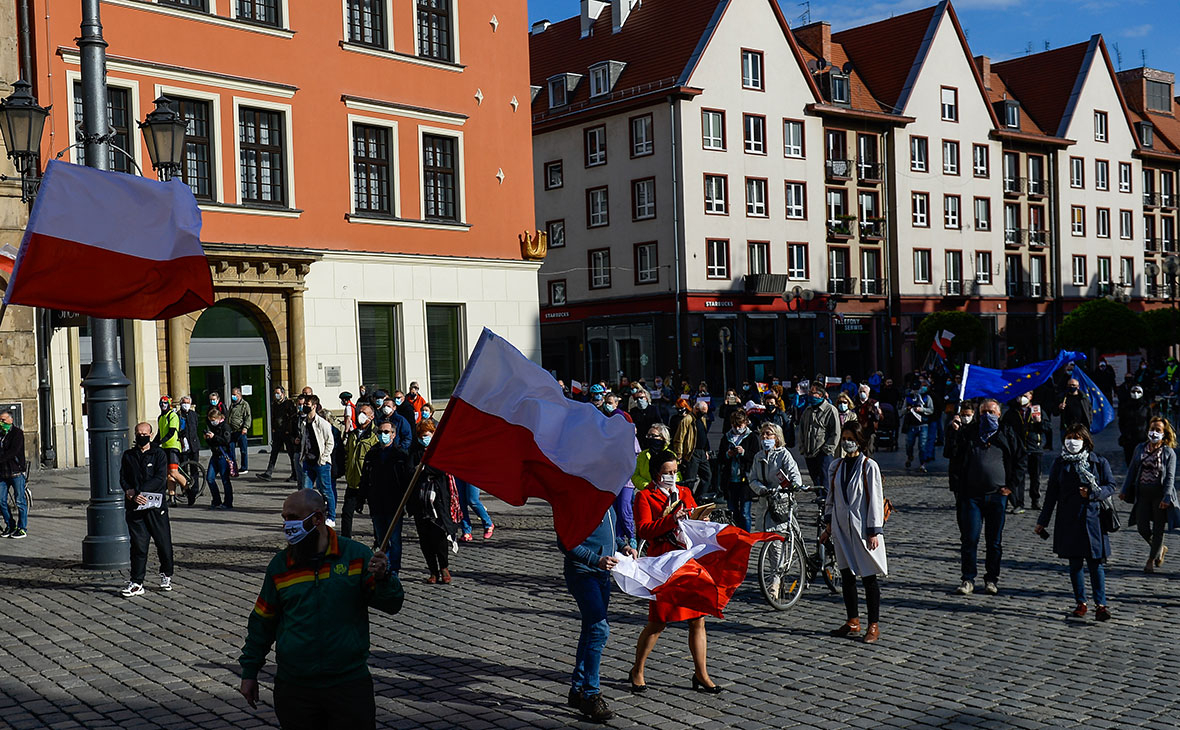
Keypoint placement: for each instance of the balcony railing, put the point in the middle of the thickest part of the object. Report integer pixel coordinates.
(1014, 185)
(1167, 245)
(1038, 237)
(952, 288)
(772, 284)
(839, 169)
(840, 229)
(1151, 200)
(869, 171)
(1014, 236)
(1158, 291)
(845, 285)
(872, 287)
(1036, 187)
(1168, 200)
(1151, 244)
(1033, 289)
(872, 230)
(1014, 288)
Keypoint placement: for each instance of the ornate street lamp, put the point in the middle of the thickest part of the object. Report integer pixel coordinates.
(22, 120)
(163, 133)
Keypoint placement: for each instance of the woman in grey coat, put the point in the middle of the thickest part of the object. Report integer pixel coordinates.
(1151, 486)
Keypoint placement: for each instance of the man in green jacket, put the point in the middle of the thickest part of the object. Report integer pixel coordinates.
(357, 443)
(314, 607)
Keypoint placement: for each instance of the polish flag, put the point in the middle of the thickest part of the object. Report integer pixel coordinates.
(575, 387)
(509, 429)
(112, 245)
(703, 576)
(7, 259)
(942, 343)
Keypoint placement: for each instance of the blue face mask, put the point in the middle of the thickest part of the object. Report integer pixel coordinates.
(426, 439)
(398, 401)
(988, 424)
(815, 400)
(385, 438)
(923, 390)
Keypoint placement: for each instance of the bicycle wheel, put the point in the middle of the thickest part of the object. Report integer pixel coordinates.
(827, 567)
(782, 572)
(195, 476)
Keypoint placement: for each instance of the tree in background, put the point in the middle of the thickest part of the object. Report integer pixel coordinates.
(1102, 325)
(967, 328)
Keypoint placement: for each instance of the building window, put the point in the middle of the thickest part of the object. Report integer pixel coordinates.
(377, 330)
(262, 156)
(440, 178)
(1167, 232)
(755, 133)
(1077, 217)
(556, 294)
(919, 151)
(951, 205)
(920, 209)
(954, 272)
(1036, 225)
(1149, 187)
(758, 257)
(756, 197)
(838, 210)
(713, 129)
(263, 12)
(1104, 275)
(1012, 223)
(752, 70)
(921, 266)
(444, 348)
(950, 157)
(1077, 172)
(981, 162)
(839, 88)
(599, 80)
(597, 207)
(201, 5)
(1101, 175)
(1079, 270)
(797, 200)
(642, 143)
(716, 194)
(554, 177)
(1126, 224)
(1167, 189)
(1012, 272)
(1102, 222)
(643, 199)
(197, 167)
(866, 157)
(434, 30)
(983, 267)
(647, 270)
(119, 118)
(1159, 96)
(797, 261)
(983, 214)
(1036, 275)
(371, 165)
(556, 230)
(1127, 271)
(557, 92)
(596, 146)
(1148, 231)
(717, 258)
(366, 22)
(950, 104)
(872, 225)
(870, 271)
(1036, 175)
(1100, 126)
(600, 268)
(1124, 177)
(838, 270)
(792, 138)
(1012, 115)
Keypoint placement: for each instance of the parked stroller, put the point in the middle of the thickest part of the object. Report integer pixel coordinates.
(886, 439)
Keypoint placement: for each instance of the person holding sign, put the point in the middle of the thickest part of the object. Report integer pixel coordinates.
(142, 476)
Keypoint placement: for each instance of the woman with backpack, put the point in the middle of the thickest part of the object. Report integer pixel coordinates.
(1079, 482)
(1151, 486)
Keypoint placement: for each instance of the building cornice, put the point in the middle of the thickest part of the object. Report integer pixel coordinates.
(1004, 135)
(124, 64)
(829, 110)
(546, 122)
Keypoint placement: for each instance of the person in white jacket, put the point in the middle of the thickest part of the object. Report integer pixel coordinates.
(317, 445)
(855, 513)
(772, 462)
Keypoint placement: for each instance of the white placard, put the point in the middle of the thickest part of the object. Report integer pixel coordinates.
(155, 500)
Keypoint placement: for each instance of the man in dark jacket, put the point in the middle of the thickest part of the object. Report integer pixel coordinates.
(1134, 413)
(1028, 423)
(1075, 407)
(190, 438)
(385, 476)
(283, 417)
(987, 464)
(12, 476)
(141, 475)
(771, 413)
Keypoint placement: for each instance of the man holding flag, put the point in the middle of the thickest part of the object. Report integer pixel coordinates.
(1075, 408)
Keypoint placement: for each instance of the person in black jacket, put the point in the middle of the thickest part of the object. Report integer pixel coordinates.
(1034, 430)
(218, 437)
(1075, 407)
(12, 476)
(434, 505)
(283, 416)
(385, 476)
(773, 414)
(735, 455)
(1134, 413)
(643, 413)
(142, 475)
(987, 464)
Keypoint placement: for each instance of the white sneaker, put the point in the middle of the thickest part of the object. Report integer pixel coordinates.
(243, 471)
(965, 588)
(991, 588)
(133, 589)
(330, 523)
(165, 582)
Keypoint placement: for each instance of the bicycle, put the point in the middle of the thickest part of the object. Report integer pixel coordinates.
(785, 570)
(195, 475)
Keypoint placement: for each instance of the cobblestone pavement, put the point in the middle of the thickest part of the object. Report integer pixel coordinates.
(494, 649)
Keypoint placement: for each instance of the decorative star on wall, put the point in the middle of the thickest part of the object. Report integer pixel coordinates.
(495, 23)
(478, 97)
(500, 175)
(514, 103)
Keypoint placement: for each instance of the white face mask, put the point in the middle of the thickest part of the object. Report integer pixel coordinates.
(1136, 394)
(1024, 400)
(361, 419)
(849, 446)
(863, 397)
(668, 482)
(186, 406)
(387, 410)
(1073, 446)
(768, 444)
(1155, 437)
(968, 419)
(296, 530)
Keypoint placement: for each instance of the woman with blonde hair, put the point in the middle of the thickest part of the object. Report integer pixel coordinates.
(764, 474)
(1150, 485)
(846, 409)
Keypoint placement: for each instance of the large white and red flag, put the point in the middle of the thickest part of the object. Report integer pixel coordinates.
(510, 430)
(703, 576)
(106, 244)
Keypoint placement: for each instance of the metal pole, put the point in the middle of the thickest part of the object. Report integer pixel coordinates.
(106, 545)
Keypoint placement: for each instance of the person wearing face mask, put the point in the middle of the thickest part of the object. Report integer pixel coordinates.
(770, 465)
(404, 408)
(774, 414)
(1079, 481)
(385, 476)
(987, 465)
(610, 407)
(848, 386)
(1104, 379)
(657, 516)
(819, 434)
(320, 627)
(1075, 408)
(1134, 413)
(240, 419)
(1034, 430)
(143, 473)
(1150, 485)
(427, 414)
(868, 411)
(215, 402)
(434, 505)
(919, 410)
(855, 517)
(318, 443)
(643, 413)
(954, 438)
(402, 428)
(218, 437)
(735, 455)
(416, 401)
(168, 439)
(655, 442)
(357, 444)
(348, 418)
(190, 437)
(845, 408)
(13, 474)
(684, 432)
(283, 418)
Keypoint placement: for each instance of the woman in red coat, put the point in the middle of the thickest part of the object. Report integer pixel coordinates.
(659, 529)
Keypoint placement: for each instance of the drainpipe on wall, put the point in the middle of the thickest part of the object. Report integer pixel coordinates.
(25, 34)
(1055, 257)
(675, 226)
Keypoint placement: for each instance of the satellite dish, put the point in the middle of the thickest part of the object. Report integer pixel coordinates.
(813, 66)
(847, 67)
(822, 63)
(1152, 269)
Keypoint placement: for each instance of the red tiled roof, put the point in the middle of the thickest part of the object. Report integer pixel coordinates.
(883, 53)
(1044, 82)
(998, 92)
(1167, 126)
(657, 42)
(861, 97)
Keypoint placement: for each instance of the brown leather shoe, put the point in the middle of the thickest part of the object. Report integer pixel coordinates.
(850, 628)
(872, 634)
(432, 579)
(446, 576)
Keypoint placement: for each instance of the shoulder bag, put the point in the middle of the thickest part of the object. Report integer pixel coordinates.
(887, 510)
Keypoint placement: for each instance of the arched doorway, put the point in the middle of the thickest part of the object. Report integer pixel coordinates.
(229, 350)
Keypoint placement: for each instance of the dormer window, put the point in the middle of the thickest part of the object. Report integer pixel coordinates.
(840, 91)
(1159, 96)
(1012, 114)
(1146, 133)
(557, 92)
(599, 80)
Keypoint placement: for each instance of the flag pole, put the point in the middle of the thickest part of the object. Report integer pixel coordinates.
(401, 507)
(3, 311)
(963, 382)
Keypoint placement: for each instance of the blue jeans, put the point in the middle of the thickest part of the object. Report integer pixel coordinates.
(22, 506)
(919, 434)
(739, 508)
(469, 497)
(394, 552)
(242, 442)
(817, 469)
(319, 477)
(592, 593)
(219, 466)
(932, 435)
(1097, 579)
(984, 514)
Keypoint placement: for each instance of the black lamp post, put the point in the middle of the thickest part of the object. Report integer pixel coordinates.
(22, 121)
(163, 133)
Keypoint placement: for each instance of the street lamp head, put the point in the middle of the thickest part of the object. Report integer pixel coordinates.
(163, 133)
(22, 120)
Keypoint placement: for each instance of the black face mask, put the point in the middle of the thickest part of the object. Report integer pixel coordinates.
(142, 439)
(655, 443)
(306, 410)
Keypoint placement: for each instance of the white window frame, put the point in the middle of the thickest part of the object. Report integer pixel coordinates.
(1100, 126)
(952, 212)
(712, 142)
(462, 174)
(590, 208)
(1102, 222)
(953, 114)
(1077, 173)
(981, 164)
(395, 187)
(1078, 269)
(549, 226)
(754, 134)
(719, 267)
(645, 145)
(651, 273)
(800, 205)
(789, 148)
(922, 258)
(919, 163)
(983, 267)
(599, 80)
(387, 31)
(1126, 225)
(642, 211)
(983, 222)
(756, 208)
(714, 204)
(1077, 223)
(598, 272)
(456, 58)
(797, 264)
(920, 209)
(1101, 174)
(565, 91)
(765, 248)
(950, 157)
(289, 140)
(1127, 270)
(215, 122)
(1104, 271)
(284, 15)
(564, 293)
(755, 78)
(1126, 177)
(598, 157)
(545, 169)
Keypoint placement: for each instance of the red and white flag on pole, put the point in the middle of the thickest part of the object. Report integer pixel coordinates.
(7, 260)
(942, 342)
(703, 576)
(509, 429)
(106, 244)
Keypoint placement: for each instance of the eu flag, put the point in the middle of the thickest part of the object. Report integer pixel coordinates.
(1004, 385)
(1101, 411)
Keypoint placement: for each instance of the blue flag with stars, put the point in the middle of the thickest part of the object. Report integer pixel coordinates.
(1101, 411)
(1005, 385)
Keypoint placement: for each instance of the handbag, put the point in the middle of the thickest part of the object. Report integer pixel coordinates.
(779, 506)
(1108, 516)
(230, 465)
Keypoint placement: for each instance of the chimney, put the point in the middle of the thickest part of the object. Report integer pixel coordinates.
(621, 10)
(984, 64)
(591, 9)
(539, 27)
(818, 39)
